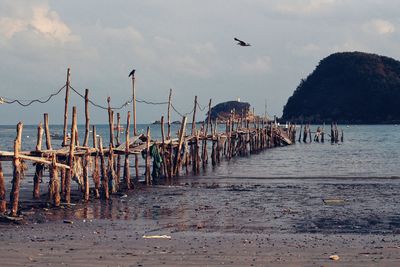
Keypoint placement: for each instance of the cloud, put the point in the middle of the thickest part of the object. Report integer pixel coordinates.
(260, 65)
(379, 26)
(302, 7)
(39, 20)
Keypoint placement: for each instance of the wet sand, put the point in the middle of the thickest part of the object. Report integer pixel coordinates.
(276, 222)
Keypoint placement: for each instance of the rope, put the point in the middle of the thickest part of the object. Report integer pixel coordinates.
(180, 114)
(30, 102)
(126, 103)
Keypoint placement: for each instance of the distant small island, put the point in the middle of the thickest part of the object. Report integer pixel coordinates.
(349, 87)
(223, 111)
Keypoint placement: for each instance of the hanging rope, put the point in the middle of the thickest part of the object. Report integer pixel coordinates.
(30, 102)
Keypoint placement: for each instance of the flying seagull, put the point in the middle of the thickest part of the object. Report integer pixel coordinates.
(132, 73)
(241, 43)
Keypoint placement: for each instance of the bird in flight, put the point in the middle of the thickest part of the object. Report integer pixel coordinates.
(241, 43)
(132, 73)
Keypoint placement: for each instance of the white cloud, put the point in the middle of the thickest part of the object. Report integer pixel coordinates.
(379, 26)
(260, 65)
(40, 20)
(304, 6)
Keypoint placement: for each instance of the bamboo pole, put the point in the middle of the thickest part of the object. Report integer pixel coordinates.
(104, 176)
(96, 171)
(39, 167)
(181, 137)
(87, 118)
(127, 175)
(64, 143)
(71, 157)
(17, 172)
(148, 175)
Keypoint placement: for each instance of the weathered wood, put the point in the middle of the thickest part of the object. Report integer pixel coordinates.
(118, 158)
(148, 175)
(64, 143)
(39, 167)
(87, 118)
(181, 139)
(104, 177)
(164, 166)
(169, 114)
(127, 174)
(134, 104)
(204, 153)
(110, 121)
(86, 185)
(17, 172)
(71, 158)
(47, 131)
(3, 201)
(194, 115)
(96, 170)
(39, 137)
(54, 184)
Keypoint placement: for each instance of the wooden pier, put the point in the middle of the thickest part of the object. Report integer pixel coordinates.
(97, 167)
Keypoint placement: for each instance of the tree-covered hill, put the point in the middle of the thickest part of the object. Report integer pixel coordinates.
(349, 87)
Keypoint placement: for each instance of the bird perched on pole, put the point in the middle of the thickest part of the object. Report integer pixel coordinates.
(241, 43)
(132, 73)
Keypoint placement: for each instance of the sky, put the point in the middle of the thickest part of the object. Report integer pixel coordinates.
(185, 45)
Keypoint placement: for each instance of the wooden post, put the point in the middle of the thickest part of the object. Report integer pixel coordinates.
(134, 103)
(87, 118)
(169, 114)
(104, 176)
(39, 167)
(54, 182)
(110, 121)
(71, 157)
(47, 131)
(3, 201)
(111, 173)
(86, 185)
(127, 174)
(118, 164)
(148, 158)
(181, 137)
(194, 115)
(205, 155)
(64, 143)
(96, 171)
(17, 173)
(163, 147)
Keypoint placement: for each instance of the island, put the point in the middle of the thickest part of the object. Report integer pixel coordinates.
(348, 87)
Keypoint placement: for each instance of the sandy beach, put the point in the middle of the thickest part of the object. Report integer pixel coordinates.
(278, 222)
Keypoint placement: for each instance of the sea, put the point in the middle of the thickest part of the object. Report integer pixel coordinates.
(367, 151)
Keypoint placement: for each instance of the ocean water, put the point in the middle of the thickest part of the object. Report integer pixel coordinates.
(368, 151)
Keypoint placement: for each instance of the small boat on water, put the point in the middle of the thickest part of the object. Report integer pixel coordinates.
(57, 136)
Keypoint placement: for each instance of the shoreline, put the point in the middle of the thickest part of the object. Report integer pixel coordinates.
(215, 224)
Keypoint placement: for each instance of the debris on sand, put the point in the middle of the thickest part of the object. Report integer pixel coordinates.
(156, 236)
(334, 257)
